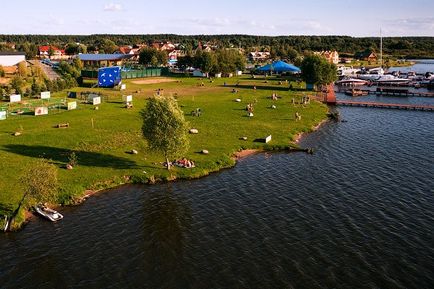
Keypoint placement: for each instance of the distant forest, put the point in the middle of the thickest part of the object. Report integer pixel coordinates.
(399, 47)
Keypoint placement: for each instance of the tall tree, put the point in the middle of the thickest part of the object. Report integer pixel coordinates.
(317, 70)
(108, 46)
(152, 56)
(164, 127)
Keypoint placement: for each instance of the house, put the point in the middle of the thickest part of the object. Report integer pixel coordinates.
(259, 56)
(164, 46)
(129, 50)
(8, 45)
(11, 58)
(125, 49)
(52, 52)
(173, 56)
(367, 55)
(331, 56)
(103, 60)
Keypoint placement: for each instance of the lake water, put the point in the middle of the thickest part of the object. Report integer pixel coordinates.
(358, 213)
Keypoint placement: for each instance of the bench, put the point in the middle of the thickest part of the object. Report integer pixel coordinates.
(62, 125)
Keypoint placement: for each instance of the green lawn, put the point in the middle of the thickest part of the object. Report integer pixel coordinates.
(101, 149)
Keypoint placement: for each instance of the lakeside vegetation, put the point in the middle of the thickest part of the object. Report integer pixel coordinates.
(102, 139)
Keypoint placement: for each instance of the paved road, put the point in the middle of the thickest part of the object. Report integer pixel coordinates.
(48, 70)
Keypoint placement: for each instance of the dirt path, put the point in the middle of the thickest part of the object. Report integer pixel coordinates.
(154, 80)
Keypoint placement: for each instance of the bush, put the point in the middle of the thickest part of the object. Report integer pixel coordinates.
(72, 159)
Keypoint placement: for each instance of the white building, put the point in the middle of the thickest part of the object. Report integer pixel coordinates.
(11, 58)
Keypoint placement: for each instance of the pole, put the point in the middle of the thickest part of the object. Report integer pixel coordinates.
(381, 49)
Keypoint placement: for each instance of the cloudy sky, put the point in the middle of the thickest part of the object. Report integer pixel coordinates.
(254, 17)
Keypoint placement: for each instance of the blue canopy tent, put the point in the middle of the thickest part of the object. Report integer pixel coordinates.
(279, 67)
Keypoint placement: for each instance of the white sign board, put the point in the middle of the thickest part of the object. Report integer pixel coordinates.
(15, 98)
(72, 105)
(45, 95)
(41, 110)
(2, 115)
(123, 86)
(96, 100)
(127, 98)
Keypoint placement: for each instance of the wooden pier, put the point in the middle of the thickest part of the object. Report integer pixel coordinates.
(396, 92)
(386, 105)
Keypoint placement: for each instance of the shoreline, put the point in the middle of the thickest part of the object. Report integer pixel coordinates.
(236, 156)
(300, 135)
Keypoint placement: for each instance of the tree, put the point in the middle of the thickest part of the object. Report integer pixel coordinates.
(317, 70)
(107, 46)
(164, 127)
(22, 69)
(185, 61)
(152, 56)
(2, 71)
(17, 83)
(35, 88)
(205, 61)
(40, 181)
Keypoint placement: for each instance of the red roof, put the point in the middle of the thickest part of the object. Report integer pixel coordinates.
(124, 49)
(46, 48)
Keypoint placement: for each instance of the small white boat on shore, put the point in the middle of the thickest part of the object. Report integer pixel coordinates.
(48, 213)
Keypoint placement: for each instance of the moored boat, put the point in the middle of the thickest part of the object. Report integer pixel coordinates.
(351, 82)
(48, 213)
(388, 78)
(356, 92)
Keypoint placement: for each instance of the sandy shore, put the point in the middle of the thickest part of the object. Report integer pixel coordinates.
(245, 153)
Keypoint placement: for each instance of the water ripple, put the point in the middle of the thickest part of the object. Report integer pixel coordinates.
(356, 214)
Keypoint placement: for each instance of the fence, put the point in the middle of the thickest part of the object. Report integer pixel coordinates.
(128, 74)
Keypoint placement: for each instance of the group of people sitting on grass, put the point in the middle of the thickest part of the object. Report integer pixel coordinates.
(182, 163)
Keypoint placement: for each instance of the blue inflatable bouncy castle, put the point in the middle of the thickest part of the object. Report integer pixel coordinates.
(109, 76)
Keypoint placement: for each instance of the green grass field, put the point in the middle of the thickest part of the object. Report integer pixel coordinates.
(101, 138)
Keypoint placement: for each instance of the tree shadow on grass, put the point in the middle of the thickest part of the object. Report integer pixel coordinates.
(59, 156)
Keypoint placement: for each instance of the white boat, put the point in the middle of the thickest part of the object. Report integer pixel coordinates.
(48, 213)
(351, 82)
(347, 71)
(391, 79)
(372, 74)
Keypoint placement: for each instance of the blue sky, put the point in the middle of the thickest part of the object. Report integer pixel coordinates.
(266, 17)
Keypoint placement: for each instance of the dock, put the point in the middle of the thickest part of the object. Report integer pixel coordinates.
(386, 105)
(396, 92)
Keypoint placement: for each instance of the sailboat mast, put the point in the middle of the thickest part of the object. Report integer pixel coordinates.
(381, 49)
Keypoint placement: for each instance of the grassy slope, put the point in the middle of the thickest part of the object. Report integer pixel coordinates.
(102, 158)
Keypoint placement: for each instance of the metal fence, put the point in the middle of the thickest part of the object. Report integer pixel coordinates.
(128, 74)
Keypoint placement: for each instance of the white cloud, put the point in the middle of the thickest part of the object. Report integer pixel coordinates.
(112, 7)
(410, 26)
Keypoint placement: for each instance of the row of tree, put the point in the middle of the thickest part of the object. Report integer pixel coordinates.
(397, 46)
(221, 61)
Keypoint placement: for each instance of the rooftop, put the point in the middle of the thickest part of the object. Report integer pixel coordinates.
(12, 53)
(102, 57)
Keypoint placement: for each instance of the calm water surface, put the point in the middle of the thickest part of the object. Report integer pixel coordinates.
(359, 213)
